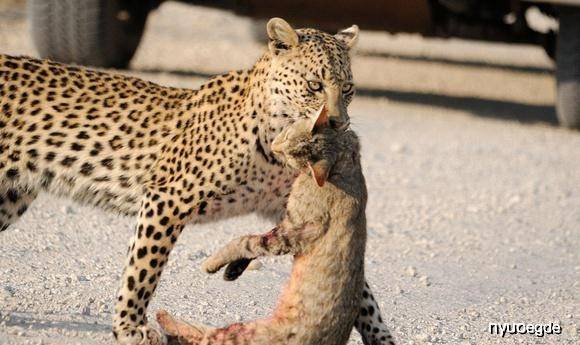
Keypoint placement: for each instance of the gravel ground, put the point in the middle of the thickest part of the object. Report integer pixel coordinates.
(474, 210)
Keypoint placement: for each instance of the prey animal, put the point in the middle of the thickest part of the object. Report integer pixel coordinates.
(324, 228)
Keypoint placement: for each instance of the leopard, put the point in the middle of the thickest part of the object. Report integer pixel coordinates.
(324, 229)
(167, 156)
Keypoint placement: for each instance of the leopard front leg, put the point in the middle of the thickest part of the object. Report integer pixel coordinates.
(157, 230)
(13, 203)
(370, 323)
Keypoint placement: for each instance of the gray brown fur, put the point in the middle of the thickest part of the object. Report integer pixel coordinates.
(325, 229)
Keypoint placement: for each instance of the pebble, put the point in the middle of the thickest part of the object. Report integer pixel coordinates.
(7, 291)
(423, 338)
(411, 271)
(513, 200)
(397, 148)
(197, 255)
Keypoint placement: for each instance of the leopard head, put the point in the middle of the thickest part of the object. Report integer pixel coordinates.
(308, 69)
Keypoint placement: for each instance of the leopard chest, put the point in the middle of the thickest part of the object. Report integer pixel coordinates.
(265, 191)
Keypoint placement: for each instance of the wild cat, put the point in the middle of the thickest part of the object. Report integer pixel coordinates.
(324, 228)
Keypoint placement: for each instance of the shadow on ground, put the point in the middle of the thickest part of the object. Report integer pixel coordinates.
(488, 108)
(38, 323)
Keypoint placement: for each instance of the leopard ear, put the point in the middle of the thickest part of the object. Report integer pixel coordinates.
(320, 171)
(282, 36)
(321, 119)
(348, 36)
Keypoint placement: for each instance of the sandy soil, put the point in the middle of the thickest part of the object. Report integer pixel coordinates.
(474, 210)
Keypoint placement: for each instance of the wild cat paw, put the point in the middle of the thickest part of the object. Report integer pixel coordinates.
(233, 270)
(212, 264)
(220, 259)
(236, 268)
(144, 335)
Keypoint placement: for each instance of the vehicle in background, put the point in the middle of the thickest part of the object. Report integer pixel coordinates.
(106, 33)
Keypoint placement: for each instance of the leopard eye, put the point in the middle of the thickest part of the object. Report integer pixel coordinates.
(346, 88)
(314, 86)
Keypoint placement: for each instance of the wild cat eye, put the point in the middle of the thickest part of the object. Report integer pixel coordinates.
(314, 86)
(346, 88)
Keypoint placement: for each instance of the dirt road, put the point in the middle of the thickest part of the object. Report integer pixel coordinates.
(474, 210)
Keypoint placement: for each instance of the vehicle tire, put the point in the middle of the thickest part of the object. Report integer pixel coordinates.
(568, 68)
(103, 33)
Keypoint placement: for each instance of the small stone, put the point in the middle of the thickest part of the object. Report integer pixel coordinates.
(200, 254)
(397, 148)
(425, 281)
(423, 338)
(101, 308)
(86, 310)
(514, 200)
(474, 314)
(9, 291)
(472, 209)
(411, 271)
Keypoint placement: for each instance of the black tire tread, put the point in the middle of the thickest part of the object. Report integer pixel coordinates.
(568, 68)
(86, 32)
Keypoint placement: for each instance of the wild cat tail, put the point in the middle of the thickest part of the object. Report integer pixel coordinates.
(185, 333)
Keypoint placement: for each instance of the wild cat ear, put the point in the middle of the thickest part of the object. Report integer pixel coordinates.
(320, 171)
(282, 36)
(321, 119)
(348, 36)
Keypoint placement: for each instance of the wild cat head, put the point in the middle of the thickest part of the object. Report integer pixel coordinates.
(312, 145)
